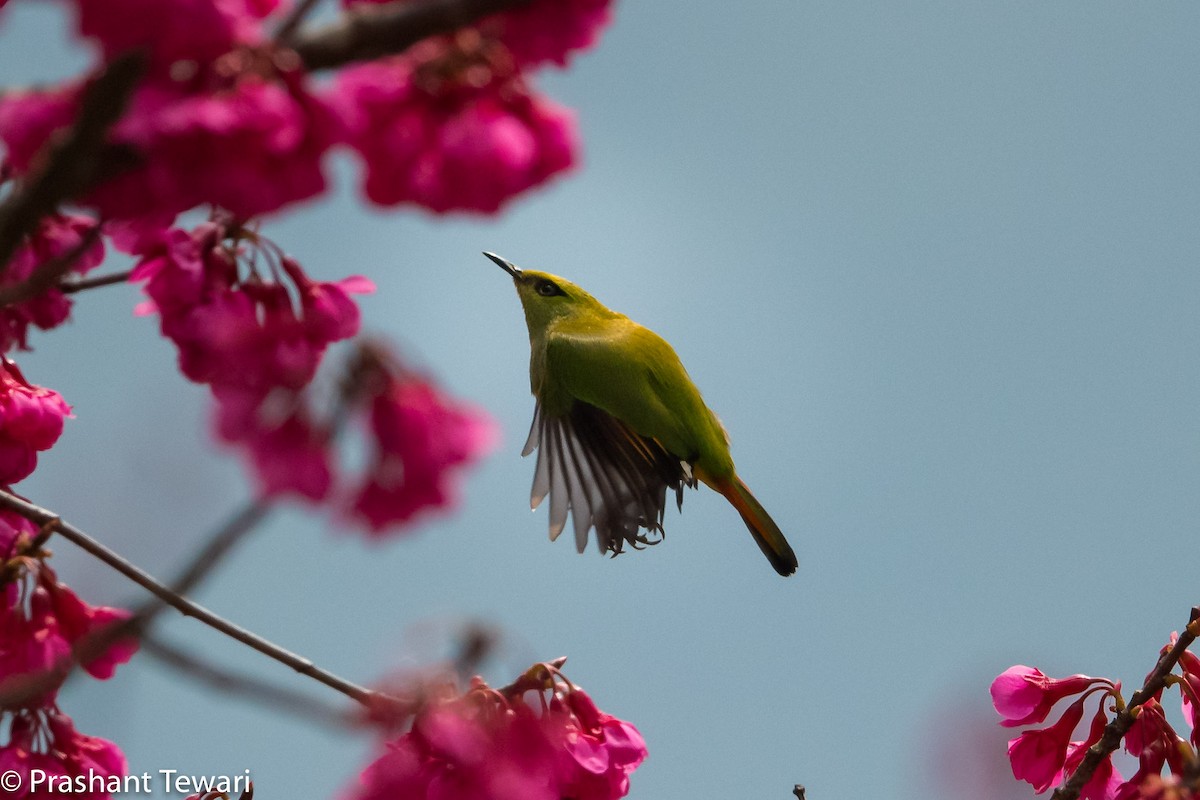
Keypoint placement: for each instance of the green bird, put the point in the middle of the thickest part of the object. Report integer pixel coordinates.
(618, 422)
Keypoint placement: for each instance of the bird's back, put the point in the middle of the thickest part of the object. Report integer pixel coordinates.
(635, 375)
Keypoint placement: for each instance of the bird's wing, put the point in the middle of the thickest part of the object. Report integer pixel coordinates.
(609, 445)
(607, 476)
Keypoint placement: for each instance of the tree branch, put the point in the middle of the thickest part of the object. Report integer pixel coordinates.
(304, 666)
(227, 682)
(75, 163)
(83, 284)
(1115, 731)
(370, 31)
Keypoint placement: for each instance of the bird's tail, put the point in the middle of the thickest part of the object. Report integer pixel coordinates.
(764, 530)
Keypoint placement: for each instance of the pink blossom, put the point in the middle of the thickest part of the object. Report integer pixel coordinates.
(255, 342)
(28, 119)
(42, 619)
(56, 236)
(250, 148)
(46, 740)
(1154, 743)
(490, 745)
(1024, 695)
(247, 142)
(420, 436)
(602, 751)
(444, 128)
(31, 420)
(541, 31)
(289, 452)
(550, 30)
(178, 30)
(1105, 780)
(1038, 756)
(1190, 690)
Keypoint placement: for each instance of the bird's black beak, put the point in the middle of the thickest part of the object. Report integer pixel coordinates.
(505, 265)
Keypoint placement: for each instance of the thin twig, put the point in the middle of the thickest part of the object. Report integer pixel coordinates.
(304, 666)
(83, 284)
(229, 682)
(50, 274)
(1116, 729)
(369, 31)
(217, 547)
(75, 163)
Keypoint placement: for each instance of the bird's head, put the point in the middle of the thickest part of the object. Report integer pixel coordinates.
(548, 298)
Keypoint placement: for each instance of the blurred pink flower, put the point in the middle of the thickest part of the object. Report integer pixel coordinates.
(551, 30)
(55, 237)
(46, 740)
(447, 127)
(172, 30)
(41, 619)
(28, 118)
(255, 342)
(248, 138)
(494, 745)
(541, 31)
(31, 420)
(419, 438)
(250, 148)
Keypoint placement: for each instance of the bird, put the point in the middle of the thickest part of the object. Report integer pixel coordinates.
(617, 422)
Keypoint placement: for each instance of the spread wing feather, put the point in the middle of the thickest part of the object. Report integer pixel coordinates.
(609, 478)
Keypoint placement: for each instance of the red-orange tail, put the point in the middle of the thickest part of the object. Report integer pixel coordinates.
(764, 530)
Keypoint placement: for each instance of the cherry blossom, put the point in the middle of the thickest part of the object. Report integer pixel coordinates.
(56, 237)
(419, 437)
(31, 420)
(500, 745)
(451, 126)
(250, 324)
(70, 762)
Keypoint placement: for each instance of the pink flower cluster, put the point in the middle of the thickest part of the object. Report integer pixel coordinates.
(217, 119)
(1044, 757)
(226, 117)
(493, 744)
(69, 762)
(58, 236)
(31, 420)
(419, 437)
(41, 621)
(250, 324)
(445, 127)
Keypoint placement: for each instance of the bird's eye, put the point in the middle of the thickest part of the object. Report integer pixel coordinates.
(548, 288)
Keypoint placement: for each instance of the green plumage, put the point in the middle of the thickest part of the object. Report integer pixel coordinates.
(619, 421)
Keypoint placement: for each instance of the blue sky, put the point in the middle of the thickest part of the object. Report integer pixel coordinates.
(932, 263)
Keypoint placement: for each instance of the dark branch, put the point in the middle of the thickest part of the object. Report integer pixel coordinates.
(83, 284)
(370, 31)
(253, 689)
(76, 162)
(304, 666)
(1115, 731)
